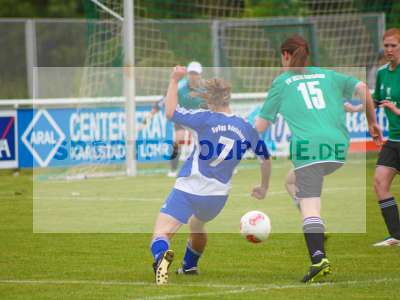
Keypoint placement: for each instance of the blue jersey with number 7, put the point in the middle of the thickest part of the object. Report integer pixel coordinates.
(220, 141)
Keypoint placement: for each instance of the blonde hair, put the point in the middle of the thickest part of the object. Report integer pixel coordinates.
(216, 92)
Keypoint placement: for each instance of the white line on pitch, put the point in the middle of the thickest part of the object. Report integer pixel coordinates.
(233, 289)
(266, 288)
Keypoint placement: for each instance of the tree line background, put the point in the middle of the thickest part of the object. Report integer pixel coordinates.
(187, 9)
(54, 48)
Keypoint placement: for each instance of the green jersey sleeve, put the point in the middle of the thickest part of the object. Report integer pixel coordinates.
(272, 103)
(346, 84)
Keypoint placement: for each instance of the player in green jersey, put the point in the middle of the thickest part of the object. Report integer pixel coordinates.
(311, 101)
(387, 95)
(187, 88)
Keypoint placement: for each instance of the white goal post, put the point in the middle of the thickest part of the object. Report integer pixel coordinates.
(129, 80)
(129, 87)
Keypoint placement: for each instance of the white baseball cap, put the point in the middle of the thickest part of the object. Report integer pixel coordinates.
(194, 66)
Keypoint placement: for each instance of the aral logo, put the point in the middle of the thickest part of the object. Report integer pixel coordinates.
(43, 137)
(7, 137)
(5, 152)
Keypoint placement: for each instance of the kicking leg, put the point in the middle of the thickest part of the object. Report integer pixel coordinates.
(166, 226)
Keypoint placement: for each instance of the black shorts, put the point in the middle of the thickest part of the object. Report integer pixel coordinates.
(309, 179)
(390, 155)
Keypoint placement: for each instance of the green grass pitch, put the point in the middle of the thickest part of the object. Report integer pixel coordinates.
(117, 265)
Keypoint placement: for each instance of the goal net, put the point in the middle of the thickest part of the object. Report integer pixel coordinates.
(243, 37)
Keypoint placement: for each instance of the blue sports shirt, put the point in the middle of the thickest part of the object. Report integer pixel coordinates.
(220, 141)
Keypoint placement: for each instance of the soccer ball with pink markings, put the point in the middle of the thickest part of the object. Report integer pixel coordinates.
(255, 226)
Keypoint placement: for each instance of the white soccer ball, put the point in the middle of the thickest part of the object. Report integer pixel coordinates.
(255, 226)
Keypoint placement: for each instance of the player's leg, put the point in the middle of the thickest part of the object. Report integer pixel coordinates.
(166, 226)
(314, 230)
(383, 179)
(176, 151)
(196, 244)
(175, 212)
(309, 182)
(290, 185)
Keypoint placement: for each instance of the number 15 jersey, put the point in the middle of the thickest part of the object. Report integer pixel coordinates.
(312, 105)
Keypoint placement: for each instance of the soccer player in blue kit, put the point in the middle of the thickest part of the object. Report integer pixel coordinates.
(204, 181)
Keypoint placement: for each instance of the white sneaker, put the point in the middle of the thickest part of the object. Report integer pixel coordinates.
(388, 242)
(172, 174)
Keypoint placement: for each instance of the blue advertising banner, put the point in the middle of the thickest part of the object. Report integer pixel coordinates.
(8, 139)
(358, 127)
(68, 137)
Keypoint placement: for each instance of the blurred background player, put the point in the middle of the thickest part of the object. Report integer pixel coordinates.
(155, 108)
(387, 95)
(313, 109)
(202, 187)
(187, 99)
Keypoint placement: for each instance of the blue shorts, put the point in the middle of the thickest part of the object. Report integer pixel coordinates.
(182, 206)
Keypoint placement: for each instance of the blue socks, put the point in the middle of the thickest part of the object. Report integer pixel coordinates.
(161, 244)
(158, 247)
(191, 257)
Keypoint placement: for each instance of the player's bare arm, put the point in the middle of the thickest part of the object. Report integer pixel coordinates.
(261, 124)
(363, 93)
(348, 107)
(259, 192)
(390, 105)
(171, 100)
